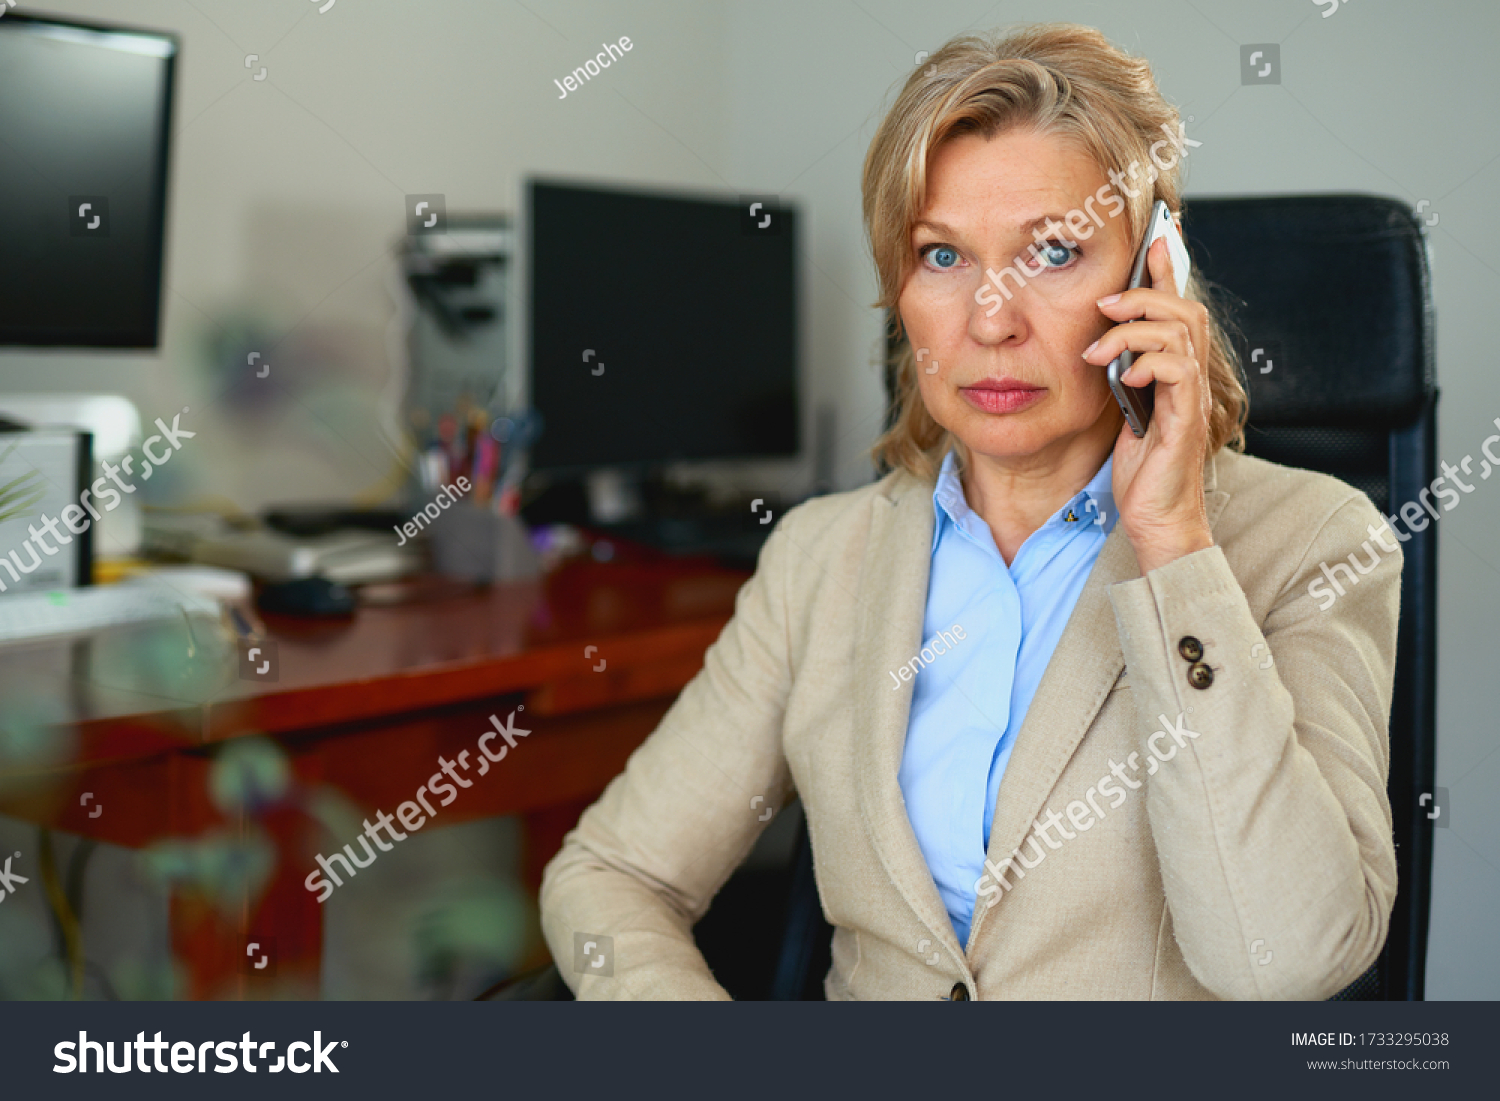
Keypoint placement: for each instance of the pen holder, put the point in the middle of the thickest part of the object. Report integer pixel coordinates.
(478, 544)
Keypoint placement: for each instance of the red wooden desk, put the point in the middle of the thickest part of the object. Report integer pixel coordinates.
(368, 706)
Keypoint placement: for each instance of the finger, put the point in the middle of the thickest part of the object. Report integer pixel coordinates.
(1164, 367)
(1163, 277)
(1155, 305)
(1151, 304)
(1179, 395)
(1159, 262)
(1142, 336)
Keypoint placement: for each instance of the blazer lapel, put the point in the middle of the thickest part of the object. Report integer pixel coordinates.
(1083, 669)
(893, 600)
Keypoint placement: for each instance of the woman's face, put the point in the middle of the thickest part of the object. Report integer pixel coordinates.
(1024, 336)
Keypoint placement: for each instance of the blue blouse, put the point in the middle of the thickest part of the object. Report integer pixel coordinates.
(969, 701)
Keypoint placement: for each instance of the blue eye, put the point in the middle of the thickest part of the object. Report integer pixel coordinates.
(942, 257)
(1052, 255)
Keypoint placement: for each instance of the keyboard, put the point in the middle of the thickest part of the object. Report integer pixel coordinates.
(70, 612)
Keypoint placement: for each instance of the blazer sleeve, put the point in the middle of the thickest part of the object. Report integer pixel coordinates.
(1271, 820)
(646, 860)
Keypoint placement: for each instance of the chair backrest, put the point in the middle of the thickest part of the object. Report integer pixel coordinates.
(806, 943)
(1331, 301)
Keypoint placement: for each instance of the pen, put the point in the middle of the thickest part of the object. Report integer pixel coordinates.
(434, 468)
(484, 467)
(242, 625)
(447, 437)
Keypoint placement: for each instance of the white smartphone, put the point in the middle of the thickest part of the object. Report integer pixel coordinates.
(1137, 402)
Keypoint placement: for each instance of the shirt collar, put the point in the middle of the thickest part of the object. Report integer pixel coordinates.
(1094, 503)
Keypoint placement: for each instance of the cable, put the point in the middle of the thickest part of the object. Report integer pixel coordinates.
(77, 866)
(62, 913)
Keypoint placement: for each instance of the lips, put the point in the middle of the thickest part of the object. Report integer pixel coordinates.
(1001, 395)
(1001, 384)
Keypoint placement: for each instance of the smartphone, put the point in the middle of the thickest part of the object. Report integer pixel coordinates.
(1137, 402)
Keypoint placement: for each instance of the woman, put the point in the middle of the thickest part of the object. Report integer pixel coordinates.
(1134, 757)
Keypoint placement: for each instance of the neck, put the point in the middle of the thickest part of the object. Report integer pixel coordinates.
(1015, 495)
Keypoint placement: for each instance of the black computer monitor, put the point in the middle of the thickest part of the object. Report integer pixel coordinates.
(661, 328)
(84, 118)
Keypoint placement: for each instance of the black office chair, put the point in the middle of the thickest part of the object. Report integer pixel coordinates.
(1331, 300)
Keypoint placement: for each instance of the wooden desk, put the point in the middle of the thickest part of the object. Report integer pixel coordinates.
(367, 706)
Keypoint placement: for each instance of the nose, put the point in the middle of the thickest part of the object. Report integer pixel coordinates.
(996, 315)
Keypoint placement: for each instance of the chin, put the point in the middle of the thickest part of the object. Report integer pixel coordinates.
(1013, 448)
(1008, 435)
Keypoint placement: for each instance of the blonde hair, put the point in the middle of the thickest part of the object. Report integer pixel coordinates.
(1055, 78)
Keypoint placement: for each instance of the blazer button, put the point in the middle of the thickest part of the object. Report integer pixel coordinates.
(960, 993)
(1200, 676)
(1190, 648)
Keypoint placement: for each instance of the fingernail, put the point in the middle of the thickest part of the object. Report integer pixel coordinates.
(1090, 349)
(1108, 298)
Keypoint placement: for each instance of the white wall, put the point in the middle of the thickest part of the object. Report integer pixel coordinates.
(287, 196)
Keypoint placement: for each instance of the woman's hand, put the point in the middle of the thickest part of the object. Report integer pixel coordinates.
(1158, 479)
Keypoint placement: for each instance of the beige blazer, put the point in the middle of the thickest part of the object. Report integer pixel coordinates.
(1252, 858)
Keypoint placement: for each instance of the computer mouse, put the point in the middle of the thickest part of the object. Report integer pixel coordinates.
(306, 596)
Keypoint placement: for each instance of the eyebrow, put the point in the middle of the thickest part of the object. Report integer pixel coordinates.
(943, 229)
